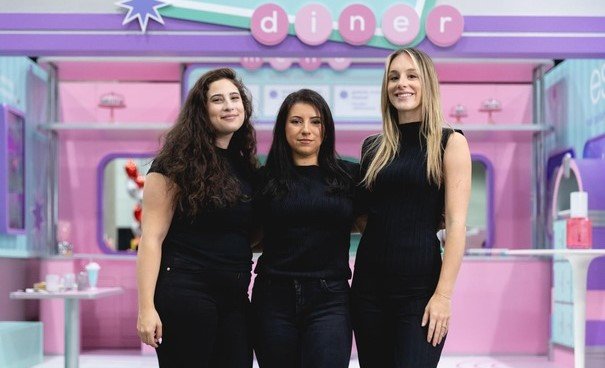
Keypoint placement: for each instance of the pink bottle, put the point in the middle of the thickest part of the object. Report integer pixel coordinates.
(579, 226)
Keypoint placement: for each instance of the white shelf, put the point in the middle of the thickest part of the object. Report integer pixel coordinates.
(502, 128)
(159, 127)
(117, 256)
(106, 126)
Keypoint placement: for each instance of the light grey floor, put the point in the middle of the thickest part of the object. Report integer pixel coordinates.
(111, 359)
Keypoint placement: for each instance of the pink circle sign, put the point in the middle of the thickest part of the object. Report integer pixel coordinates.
(313, 24)
(269, 24)
(251, 63)
(444, 25)
(357, 24)
(280, 64)
(309, 63)
(339, 64)
(400, 24)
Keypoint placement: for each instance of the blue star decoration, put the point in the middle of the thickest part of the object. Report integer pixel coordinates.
(142, 10)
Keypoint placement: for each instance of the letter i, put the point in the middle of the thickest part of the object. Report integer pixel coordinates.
(313, 22)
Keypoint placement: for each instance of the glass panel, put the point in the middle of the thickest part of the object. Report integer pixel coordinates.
(120, 199)
(477, 218)
(12, 171)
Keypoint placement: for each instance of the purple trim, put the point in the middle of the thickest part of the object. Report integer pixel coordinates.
(100, 173)
(5, 228)
(595, 333)
(596, 271)
(87, 21)
(515, 47)
(594, 147)
(489, 172)
(167, 45)
(97, 22)
(533, 24)
(236, 45)
(554, 161)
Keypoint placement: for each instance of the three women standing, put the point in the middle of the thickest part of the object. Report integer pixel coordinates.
(197, 202)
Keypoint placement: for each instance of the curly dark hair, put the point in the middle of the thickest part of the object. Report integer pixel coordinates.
(280, 168)
(189, 157)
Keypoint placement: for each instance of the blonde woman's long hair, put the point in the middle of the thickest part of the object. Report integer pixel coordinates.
(386, 145)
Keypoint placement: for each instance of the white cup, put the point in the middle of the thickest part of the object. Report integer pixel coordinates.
(92, 269)
(69, 281)
(52, 283)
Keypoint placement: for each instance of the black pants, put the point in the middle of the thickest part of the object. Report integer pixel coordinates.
(205, 318)
(387, 315)
(301, 323)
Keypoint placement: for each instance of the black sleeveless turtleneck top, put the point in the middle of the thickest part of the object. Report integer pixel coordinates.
(405, 211)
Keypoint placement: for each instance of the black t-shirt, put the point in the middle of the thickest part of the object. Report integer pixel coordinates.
(307, 231)
(216, 238)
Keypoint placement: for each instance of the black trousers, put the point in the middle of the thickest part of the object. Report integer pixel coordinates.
(301, 323)
(205, 318)
(387, 315)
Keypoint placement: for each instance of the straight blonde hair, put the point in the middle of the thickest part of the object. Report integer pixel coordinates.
(386, 145)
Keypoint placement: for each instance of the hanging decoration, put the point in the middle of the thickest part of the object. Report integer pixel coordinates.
(458, 112)
(134, 186)
(490, 106)
(112, 101)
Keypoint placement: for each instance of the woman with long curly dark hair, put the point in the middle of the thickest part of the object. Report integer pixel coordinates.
(194, 260)
(300, 300)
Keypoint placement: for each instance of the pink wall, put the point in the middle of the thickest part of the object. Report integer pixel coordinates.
(122, 71)
(501, 306)
(17, 274)
(80, 152)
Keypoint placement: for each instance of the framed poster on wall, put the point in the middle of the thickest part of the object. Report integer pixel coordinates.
(12, 170)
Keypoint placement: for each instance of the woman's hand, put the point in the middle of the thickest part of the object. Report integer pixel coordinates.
(437, 313)
(149, 327)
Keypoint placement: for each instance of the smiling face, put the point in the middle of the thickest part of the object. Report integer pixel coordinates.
(225, 109)
(304, 133)
(405, 89)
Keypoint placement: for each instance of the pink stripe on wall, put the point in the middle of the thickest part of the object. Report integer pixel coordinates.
(501, 307)
(91, 71)
(563, 356)
(595, 305)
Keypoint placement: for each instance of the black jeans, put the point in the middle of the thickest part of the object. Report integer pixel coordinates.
(301, 323)
(387, 315)
(204, 316)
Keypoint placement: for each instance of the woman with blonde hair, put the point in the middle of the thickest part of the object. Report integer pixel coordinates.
(416, 174)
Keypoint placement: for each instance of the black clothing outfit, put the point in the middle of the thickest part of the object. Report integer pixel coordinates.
(300, 299)
(202, 290)
(398, 260)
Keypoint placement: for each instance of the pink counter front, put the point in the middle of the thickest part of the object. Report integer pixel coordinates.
(500, 306)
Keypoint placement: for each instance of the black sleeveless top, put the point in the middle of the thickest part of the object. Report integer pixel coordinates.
(405, 211)
(216, 238)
